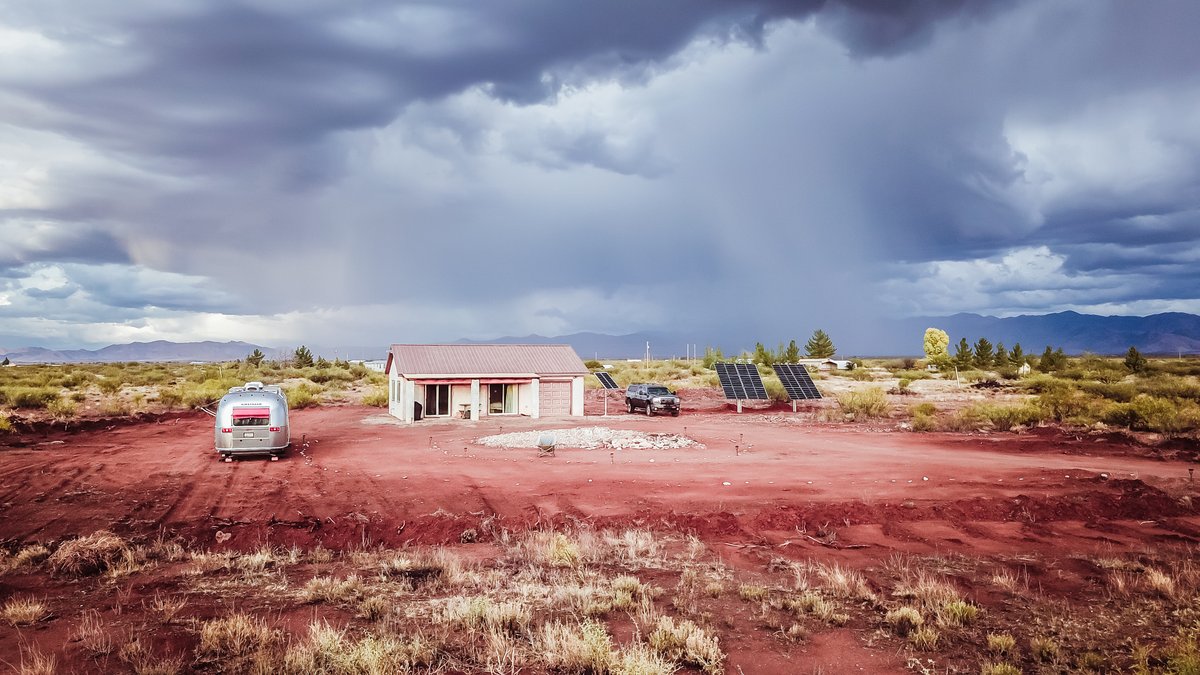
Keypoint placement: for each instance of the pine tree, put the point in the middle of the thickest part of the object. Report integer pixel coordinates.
(962, 354)
(984, 353)
(1046, 363)
(302, 358)
(761, 355)
(819, 346)
(1017, 355)
(5, 362)
(322, 363)
(792, 355)
(1134, 361)
(256, 357)
(1001, 358)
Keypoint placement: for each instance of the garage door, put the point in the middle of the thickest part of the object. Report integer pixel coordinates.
(555, 399)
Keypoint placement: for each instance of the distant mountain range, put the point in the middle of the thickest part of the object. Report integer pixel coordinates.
(1171, 333)
(1075, 333)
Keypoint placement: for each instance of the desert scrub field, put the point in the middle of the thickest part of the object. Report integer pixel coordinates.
(65, 392)
(581, 601)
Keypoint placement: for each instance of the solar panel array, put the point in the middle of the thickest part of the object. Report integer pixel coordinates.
(796, 381)
(606, 380)
(741, 381)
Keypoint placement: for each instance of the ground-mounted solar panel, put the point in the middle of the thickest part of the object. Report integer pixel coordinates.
(606, 380)
(741, 381)
(796, 381)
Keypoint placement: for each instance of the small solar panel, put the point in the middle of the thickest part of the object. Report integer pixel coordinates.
(606, 380)
(796, 381)
(741, 381)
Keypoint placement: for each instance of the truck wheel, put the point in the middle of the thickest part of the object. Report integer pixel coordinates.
(675, 413)
(629, 404)
(649, 412)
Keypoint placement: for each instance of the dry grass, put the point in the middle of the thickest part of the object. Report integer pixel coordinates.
(91, 554)
(687, 643)
(1044, 649)
(844, 583)
(234, 636)
(574, 647)
(752, 592)
(24, 611)
(27, 557)
(481, 612)
(93, 634)
(924, 638)
(928, 591)
(34, 662)
(812, 604)
(329, 650)
(999, 669)
(956, 614)
(167, 607)
(333, 590)
(1161, 582)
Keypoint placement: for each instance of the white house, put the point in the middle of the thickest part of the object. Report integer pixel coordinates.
(473, 381)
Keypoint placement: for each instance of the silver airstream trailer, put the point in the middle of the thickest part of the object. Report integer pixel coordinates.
(252, 420)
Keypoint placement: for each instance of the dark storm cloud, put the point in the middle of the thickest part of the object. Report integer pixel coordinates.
(223, 83)
(580, 163)
(31, 242)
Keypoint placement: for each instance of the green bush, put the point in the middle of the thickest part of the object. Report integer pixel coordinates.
(61, 409)
(5, 424)
(323, 376)
(865, 404)
(302, 396)
(377, 398)
(775, 390)
(31, 397)
(110, 385)
(169, 397)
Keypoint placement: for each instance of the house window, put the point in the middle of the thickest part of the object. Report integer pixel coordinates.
(437, 400)
(502, 399)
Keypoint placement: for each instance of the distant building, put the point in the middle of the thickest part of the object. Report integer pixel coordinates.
(472, 381)
(827, 364)
(376, 364)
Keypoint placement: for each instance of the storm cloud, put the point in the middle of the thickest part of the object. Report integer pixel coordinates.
(373, 172)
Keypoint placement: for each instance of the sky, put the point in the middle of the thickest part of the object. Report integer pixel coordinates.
(357, 173)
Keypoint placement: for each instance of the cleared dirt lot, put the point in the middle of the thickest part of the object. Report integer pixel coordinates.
(766, 485)
(354, 477)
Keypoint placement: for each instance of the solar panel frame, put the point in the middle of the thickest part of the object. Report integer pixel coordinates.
(606, 380)
(741, 381)
(797, 382)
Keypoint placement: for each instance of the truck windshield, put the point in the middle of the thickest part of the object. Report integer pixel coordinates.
(658, 391)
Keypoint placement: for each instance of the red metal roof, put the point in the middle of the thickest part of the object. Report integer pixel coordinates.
(476, 359)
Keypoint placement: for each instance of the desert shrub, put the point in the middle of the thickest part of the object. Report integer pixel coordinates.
(1001, 644)
(856, 374)
(202, 394)
(999, 669)
(914, 375)
(110, 385)
(326, 375)
(1000, 417)
(687, 643)
(1183, 655)
(924, 409)
(904, 620)
(378, 398)
(924, 638)
(865, 404)
(61, 409)
(31, 397)
(1044, 649)
(28, 556)
(957, 613)
(75, 380)
(91, 554)
(301, 396)
(1062, 401)
(169, 397)
(922, 422)
(752, 592)
(775, 391)
(593, 365)
(1122, 391)
(5, 424)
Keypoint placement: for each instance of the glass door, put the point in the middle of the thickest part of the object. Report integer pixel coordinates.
(437, 400)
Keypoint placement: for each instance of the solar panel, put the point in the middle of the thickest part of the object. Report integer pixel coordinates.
(796, 381)
(606, 380)
(741, 381)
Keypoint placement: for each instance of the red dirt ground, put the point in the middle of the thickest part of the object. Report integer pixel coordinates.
(760, 486)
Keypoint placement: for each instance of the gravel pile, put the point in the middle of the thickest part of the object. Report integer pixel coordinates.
(590, 438)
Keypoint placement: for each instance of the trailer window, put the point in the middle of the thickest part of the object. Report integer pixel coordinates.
(251, 416)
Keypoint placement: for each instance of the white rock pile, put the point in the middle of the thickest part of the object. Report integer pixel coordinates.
(590, 438)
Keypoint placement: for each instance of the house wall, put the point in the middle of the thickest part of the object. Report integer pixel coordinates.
(402, 393)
